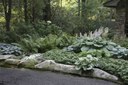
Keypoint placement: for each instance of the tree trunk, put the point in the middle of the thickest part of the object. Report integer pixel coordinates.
(19, 10)
(34, 11)
(25, 11)
(126, 18)
(120, 23)
(7, 4)
(61, 3)
(47, 11)
(7, 22)
(83, 8)
(78, 7)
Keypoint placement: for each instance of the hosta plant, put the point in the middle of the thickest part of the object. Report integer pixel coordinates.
(86, 63)
(8, 49)
(103, 47)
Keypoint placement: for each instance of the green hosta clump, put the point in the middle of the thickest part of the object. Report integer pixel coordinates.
(98, 47)
(61, 56)
(86, 63)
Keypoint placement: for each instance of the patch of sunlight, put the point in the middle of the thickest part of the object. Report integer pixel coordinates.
(92, 17)
(68, 3)
(2, 19)
(113, 20)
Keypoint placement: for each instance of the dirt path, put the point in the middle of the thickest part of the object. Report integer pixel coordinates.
(28, 77)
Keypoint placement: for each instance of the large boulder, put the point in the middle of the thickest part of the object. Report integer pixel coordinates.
(52, 65)
(30, 61)
(4, 57)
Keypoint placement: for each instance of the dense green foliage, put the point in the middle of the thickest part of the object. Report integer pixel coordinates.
(50, 26)
(61, 56)
(115, 66)
(98, 47)
(71, 21)
(22, 30)
(63, 13)
(123, 42)
(43, 44)
(86, 63)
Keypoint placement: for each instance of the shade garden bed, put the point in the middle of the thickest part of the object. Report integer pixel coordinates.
(83, 55)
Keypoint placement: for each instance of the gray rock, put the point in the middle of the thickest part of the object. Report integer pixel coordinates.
(104, 75)
(4, 57)
(31, 60)
(52, 65)
(12, 61)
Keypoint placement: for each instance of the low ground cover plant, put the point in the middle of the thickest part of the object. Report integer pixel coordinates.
(61, 56)
(117, 67)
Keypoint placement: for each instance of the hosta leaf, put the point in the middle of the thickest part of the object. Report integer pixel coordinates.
(89, 43)
(84, 48)
(109, 47)
(99, 46)
(112, 43)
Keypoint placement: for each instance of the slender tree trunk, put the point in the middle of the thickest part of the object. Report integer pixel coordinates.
(47, 11)
(7, 4)
(61, 3)
(33, 11)
(83, 8)
(19, 10)
(26, 11)
(33, 14)
(78, 7)
(126, 18)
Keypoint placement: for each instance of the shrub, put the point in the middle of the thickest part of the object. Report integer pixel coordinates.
(123, 42)
(8, 37)
(28, 45)
(45, 28)
(22, 29)
(43, 44)
(46, 43)
(37, 44)
(65, 40)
